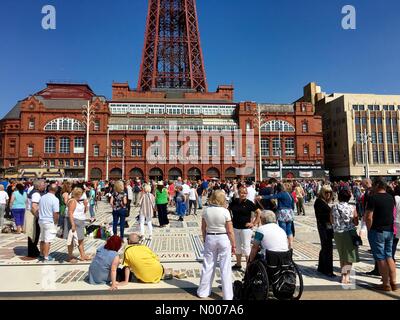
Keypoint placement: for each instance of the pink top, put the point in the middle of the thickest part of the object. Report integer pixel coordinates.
(395, 218)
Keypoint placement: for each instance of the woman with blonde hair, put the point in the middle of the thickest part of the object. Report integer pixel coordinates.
(74, 230)
(219, 241)
(66, 190)
(325, 230)
(147, 206)
(119, 200)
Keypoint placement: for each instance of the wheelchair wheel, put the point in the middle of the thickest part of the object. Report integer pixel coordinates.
(299, 283)
(256, 282)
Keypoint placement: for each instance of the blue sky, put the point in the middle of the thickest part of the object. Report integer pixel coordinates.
(267, 49)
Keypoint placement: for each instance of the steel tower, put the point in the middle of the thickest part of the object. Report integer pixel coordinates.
(172, 56)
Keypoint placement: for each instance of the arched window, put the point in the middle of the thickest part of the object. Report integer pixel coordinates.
(64, 124)
(278, 125)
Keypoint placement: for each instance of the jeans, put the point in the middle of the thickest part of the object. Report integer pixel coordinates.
(2, 211)
(192, 203)
(381, 243)
(91, 209)
(61, 221)
(119, 218)
(287, 227)
(200, 202)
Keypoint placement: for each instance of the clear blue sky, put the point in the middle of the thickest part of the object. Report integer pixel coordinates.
(267, 49)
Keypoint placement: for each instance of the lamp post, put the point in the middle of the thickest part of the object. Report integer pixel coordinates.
(365, 139)
(259, 120)
(88, 115)
(123, 158)
(280, 157)
(108, 153)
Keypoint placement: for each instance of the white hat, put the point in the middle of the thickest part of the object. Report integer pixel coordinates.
(160, 183)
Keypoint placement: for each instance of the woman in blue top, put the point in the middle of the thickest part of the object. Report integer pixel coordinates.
(18, 205)
(103, 269)
(285, 213)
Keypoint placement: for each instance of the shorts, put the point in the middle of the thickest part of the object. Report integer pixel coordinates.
(48, 232)
(80, 228)
(243, 241)
(287, 227)
(381, 243)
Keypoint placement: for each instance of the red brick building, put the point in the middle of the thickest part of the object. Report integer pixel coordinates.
(159, 135)
(171, 126)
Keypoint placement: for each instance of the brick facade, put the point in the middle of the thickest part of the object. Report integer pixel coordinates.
(23, 134)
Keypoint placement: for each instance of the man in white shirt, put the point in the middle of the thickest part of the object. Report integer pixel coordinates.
(3, 203)
(251, 192)
(32, 228)
(49, 208)
(269, 236)
(186, 193)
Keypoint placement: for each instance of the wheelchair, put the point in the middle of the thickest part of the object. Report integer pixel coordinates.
(276, 274)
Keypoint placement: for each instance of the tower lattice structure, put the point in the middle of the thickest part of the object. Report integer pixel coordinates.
(172, 56)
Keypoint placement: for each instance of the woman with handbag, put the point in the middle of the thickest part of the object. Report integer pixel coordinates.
(147, 206)
(344, 220)
(325, 230)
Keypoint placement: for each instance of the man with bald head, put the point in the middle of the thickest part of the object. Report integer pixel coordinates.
(141, 261)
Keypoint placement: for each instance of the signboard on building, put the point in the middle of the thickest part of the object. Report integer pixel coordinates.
(273, 174)
(306, 174)
(393, 171)
(294, 167)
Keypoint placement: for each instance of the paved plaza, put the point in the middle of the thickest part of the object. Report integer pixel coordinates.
(179, 247)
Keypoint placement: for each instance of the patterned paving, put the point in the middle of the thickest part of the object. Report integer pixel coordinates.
(180, 242)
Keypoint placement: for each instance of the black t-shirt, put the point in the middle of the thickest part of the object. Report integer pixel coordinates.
(241, 212)
(322, 211)
(382, 205)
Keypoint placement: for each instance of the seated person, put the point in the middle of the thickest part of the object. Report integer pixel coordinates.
(269, 236)
(103, 268)
(141, 261)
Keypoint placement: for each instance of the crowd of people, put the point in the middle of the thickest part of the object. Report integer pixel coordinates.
(233, 211)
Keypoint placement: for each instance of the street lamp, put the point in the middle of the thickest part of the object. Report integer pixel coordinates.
(108, 153)
(123, 158)
(259, 120)
(280, 156)
(88, 115)
(365, 138)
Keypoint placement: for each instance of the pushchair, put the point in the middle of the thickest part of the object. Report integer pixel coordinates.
(276, 273)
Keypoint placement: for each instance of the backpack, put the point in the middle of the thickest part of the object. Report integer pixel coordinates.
(284, 283)
(282, 275)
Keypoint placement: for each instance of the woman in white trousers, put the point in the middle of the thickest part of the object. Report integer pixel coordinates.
(219, 242)
(147, 206)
